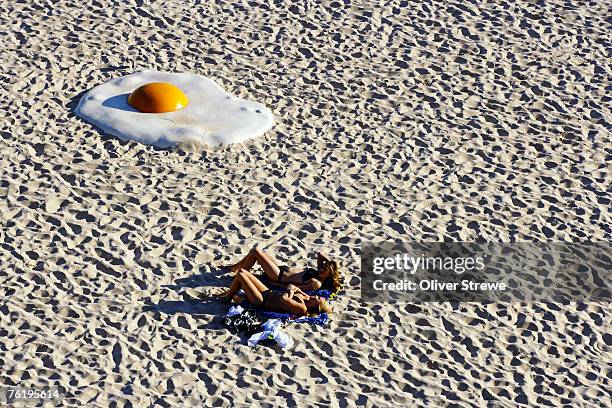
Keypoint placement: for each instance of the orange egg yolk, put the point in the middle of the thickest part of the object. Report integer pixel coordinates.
(158, 97)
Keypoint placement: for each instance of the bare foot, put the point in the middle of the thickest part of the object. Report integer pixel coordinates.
(228, 300)
(233, 268)
(237, 266)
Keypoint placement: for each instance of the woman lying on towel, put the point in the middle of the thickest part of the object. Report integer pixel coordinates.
(292, 301)
(326, 276)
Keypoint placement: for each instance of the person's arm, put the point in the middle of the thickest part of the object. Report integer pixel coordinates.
(291, 289)
(297, 308)
(305, 286)
(321, 259)
(296, 289)
(312, 284)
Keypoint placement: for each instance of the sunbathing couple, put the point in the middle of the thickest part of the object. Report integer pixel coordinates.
(296, 281)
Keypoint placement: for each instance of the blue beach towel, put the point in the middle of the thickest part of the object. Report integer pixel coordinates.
(320, 319)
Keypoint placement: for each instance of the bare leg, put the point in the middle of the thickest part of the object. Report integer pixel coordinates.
(248, 259)
(232, 290)
(251, 287)
(254, 280)
(244, 279)
(263, 259)
(245, 263)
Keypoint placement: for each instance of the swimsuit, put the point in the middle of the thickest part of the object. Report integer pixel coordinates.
(265, 295)
(309, 273)
(281, 271)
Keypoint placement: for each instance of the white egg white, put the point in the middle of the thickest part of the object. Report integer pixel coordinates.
(211, 117)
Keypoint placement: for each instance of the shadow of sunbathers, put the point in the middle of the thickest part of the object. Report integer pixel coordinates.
(198, 309)
(203, 306)
(212, 278)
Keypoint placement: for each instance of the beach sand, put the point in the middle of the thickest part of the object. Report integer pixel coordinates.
(426, 121)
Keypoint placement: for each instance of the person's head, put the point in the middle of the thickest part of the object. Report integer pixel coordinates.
(330, 275)
(317, 305)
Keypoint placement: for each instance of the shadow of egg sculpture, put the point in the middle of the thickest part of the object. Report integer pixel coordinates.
(166, 109)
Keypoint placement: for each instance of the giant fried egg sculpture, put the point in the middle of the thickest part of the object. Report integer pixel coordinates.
(166, 109)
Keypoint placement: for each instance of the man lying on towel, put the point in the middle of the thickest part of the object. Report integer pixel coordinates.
(293, 300)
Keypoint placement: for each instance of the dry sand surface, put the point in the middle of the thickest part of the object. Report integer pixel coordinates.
(454, 120)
